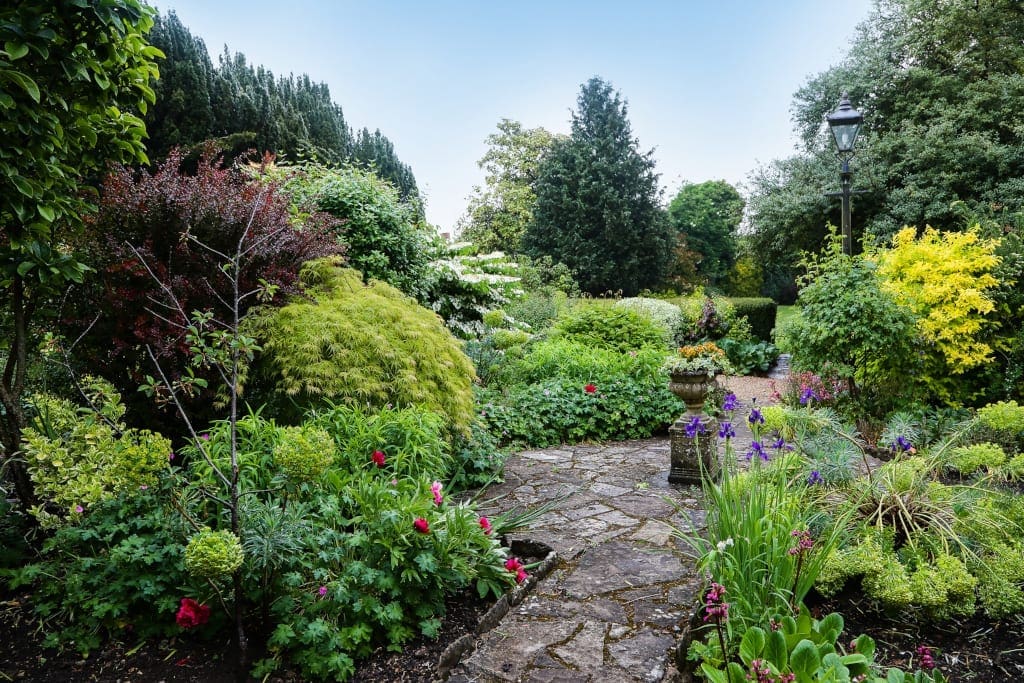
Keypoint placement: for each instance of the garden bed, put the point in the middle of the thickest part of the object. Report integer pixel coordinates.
(190, 660)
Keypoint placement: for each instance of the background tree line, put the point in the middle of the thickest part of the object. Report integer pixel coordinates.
(246, 106)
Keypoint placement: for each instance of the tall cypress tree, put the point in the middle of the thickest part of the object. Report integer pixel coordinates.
(598, 201)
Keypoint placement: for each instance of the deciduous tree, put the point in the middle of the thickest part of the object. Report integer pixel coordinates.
(72, 75)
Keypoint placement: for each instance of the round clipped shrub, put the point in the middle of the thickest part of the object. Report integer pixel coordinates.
(211, 554)
(304, 453)
(360, 344)
(611, 327)
(664, 313)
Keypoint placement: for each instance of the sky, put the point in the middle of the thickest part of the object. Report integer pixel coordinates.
(709, 83)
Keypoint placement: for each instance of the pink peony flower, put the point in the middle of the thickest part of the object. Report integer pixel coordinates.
(192, 614)
(435, 488)
(485, 524)
(421, 525)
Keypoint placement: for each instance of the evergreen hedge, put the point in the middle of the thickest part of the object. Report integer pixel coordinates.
(759, 312)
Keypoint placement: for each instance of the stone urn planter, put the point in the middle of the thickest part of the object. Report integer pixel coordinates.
(694, 451)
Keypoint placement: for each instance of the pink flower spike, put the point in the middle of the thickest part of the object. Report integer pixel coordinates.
(421, 525)
(485, 524)
(435, 488)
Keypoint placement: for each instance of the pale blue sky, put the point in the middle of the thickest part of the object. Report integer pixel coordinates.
(709, 83)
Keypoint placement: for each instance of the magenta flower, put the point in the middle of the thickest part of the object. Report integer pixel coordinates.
(192, 614)
(715, 608)
(435, 488)
(421, 525)
(321, 591)
(378, 458)
(485, 524)
(927, 660)
(204, 436)
(79, 509)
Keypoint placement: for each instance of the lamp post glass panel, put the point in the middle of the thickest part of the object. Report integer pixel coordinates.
(844, 123)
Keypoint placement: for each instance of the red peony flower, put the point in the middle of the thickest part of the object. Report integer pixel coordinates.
(485, 524)
(192, 614)
(513, 564)
(590, 388)
(521, 575)
(421, 525)
(378, 458)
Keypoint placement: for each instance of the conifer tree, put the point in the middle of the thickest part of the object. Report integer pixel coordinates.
(598, 201)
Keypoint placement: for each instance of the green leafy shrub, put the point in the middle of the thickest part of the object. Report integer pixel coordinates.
(412, 439)
(842, 299)
(303, 454)
(477, 460)
(1014, 468)
(749, 357)
(759, 312)
(78, 457)
(611, 327)
(579, 362)
(362, 345)
(706, 317)
(561, 410)
(1003, 423)
(969, 459)
(1002, 583)
(538, 309)
(384, 236)
(213, 554)
(664, 313)
(121, 564)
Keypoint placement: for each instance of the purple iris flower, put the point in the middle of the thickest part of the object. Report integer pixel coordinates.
(755, 417)
(757, 449)
(807, 396)
(726, 431)
(730, 403)
(815, 478)
(901, 445)
(695, 427)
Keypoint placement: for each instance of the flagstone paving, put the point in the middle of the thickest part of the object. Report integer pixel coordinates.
(612, 608)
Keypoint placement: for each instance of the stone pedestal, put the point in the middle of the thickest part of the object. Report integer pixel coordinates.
(693, 457)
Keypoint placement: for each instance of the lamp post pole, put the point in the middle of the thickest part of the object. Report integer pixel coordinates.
(845, 184)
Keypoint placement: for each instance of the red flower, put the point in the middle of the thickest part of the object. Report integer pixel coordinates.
(485, 524)
(590, 388)
(421, 525)
(513, 564)
(192, 614)
(378, 458)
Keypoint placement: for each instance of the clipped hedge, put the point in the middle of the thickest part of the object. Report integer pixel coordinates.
(759, 312)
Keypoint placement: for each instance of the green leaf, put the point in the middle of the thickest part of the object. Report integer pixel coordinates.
(46, 212)
(776, 651)
(22, 81)
(714, 675)
(23, 185)
(805, 659)
(752, 645)
(15, 50)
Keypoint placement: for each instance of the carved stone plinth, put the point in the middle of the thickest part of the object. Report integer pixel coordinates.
(693, 457)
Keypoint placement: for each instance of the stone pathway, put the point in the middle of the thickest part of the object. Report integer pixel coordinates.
(612, 609)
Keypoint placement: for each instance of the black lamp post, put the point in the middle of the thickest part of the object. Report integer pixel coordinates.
(844, 123)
